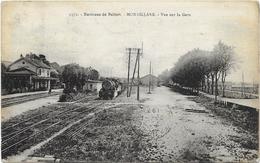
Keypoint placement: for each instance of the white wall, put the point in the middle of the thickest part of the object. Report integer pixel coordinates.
(44, 72)
(96, 86)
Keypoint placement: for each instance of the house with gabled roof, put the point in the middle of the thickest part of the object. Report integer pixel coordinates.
(149, 78)
(29, 73)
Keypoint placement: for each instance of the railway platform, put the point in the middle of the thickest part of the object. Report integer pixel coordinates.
(14, 110)
(27, 94)
(252, 103)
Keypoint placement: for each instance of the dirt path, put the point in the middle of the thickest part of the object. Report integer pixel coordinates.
(182, 130)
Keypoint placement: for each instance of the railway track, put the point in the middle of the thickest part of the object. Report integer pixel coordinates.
(80, 126)
(18, 100)
(72, 133)
(7, 127)
(26, 135)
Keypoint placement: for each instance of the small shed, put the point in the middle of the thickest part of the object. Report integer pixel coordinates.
(92, 85)
(149, 78)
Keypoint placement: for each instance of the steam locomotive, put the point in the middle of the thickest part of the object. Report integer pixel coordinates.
(111, 88)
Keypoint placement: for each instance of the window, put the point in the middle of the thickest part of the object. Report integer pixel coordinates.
(48, 73)
(40, 71)
(23, 62)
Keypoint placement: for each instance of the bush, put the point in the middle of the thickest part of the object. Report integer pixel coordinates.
(66, 91)
(65, 97)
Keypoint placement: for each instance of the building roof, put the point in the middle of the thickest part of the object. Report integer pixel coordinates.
(21, 71)
(148, 75)
(35, 62)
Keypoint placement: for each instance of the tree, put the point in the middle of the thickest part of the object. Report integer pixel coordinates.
(197, 67)
(190, 69)
(94, 74)
(226, 59)
(74, 75)
(53, 74)
(71, 76)
(165, 76)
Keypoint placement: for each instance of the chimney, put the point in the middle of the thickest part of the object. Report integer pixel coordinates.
(42, 57)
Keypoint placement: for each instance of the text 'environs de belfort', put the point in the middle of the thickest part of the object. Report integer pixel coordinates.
(141, 14)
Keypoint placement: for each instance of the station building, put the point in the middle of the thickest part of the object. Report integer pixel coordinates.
(29, 73)
(92, 85)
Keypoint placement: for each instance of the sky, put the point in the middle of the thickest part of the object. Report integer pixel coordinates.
(100, 41)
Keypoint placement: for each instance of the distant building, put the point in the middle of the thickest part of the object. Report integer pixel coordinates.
(92, 85)
(28, 73)
(147, 78)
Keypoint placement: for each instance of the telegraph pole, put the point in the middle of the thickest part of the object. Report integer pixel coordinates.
(133, 76)
(243, 84)
(138, 77)
(152, 84)
(137, 66)
(129, 58)
(150, 78)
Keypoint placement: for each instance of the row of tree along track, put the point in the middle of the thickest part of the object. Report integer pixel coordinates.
(27, 130)
(21, 99)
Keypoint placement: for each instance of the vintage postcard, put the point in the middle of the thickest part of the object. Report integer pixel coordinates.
(129, 81)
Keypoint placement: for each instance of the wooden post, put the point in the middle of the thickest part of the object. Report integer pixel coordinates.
(150, 79)
(133, 76)
(138, 76)
(243, 85)
(216, 87)
(128, 74)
